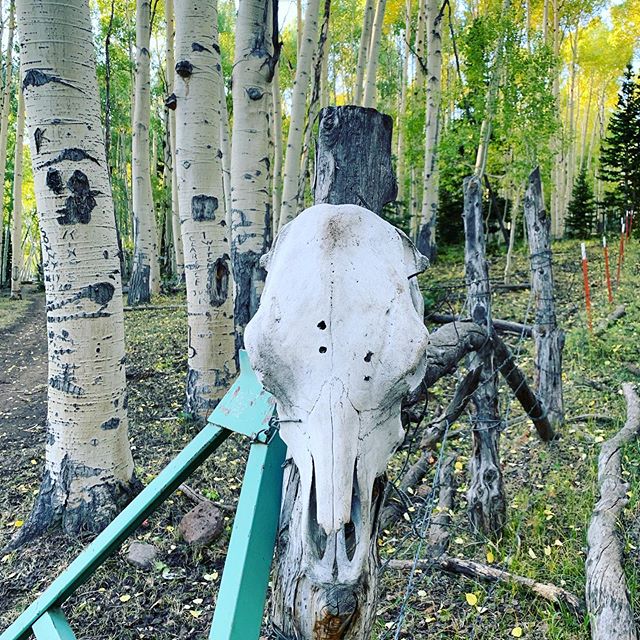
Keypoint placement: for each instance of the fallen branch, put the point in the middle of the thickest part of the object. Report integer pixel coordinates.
(607, 594)
(479, 571)
(612, 318)
(501, 326)
(198, 498)
(592, 417)
(441, 521)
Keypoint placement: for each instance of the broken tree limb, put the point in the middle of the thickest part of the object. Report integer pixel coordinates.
(501, 326)
(606, 591)
(514, 377)
(479, 571)
(549, 338)
(486, 498)
(612, 318)
(198, 498)
(433, 434)
(441, 521)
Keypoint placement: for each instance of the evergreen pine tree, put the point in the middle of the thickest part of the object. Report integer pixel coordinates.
(581, 212)
(620, 155)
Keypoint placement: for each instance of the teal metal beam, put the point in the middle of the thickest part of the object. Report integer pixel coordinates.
(53, 626)
(243, 590)
(205, 443)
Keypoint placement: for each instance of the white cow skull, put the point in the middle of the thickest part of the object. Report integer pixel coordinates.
(339, 340)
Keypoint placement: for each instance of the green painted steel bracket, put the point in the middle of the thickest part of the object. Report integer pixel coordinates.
(247, 409)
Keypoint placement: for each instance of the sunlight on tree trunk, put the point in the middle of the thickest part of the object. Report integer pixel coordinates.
(363, 50)
(374, 51)
(202, 206)
(88, 473)
(16, 217)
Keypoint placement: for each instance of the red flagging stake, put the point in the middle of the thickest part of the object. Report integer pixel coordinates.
(587, 290)
(620, 251)
(607, 272)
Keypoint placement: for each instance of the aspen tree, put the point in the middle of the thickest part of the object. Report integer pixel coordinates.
(4, 129)
(400, 161)
(277, 144)
(88, 472)
(363, 50)
(426, 241)
(175, 204)
(202, 205)
(225, 146)
(254, 63)
(300, 92)
(145, 278)
(369, 99)
(16, 216)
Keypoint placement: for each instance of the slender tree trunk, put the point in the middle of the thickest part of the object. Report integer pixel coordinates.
(278, 153)
(490, 102)
(363, 51)
(225, 145)
(202, 206)
(369, 99)
(4, 130)
(145, 278)
(175, 201)
(16, 219)
(512, 236)
(88, 473)
(301, 87)
(107, 84)
(400, 162)
(427, 234)
(254, 63)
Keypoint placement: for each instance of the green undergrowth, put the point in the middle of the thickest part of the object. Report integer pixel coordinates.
(551, 488)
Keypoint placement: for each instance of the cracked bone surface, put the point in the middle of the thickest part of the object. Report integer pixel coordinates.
(339, 340)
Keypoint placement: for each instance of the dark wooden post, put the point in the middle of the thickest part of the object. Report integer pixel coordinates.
(549, 339)
(486, 499)
(353, 158)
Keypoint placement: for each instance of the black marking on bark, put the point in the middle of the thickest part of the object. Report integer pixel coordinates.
(101, 293)
(37, 78)
(113, 423)
(196, 46)
(218, 281)
(38, 137)
(254, 93)
(184, 68)
(79, 205)
(54, 180)
(203, 207)
(65, 382)
(171, 102)
(216, 48)
(105, 253)
(72, 154)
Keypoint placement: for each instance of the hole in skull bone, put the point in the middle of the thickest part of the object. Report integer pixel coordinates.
(322, 349)
(367, 378)
(317, 536)
(368, 357)
(352, 528)
(322, 325)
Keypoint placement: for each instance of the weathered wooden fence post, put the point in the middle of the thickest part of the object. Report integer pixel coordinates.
(353, 158)
(549, 338)
(486, 499)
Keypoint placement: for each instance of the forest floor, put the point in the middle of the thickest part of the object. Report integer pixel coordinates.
(550, 487)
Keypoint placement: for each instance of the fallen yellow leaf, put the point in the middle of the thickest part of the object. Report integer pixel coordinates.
(18, 523)
(516, 632)
(490, 556)
(125, 598)
(472, 599)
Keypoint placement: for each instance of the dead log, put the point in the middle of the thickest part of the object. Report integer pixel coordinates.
(607, 594)
(549, 339)
(353, 160)
(501, 326)
(441, 522)
(479, 571)
(612, 318)
(487, 504)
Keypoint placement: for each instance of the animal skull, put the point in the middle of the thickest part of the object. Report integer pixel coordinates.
(339, 340)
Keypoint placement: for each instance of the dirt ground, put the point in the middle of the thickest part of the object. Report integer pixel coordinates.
(550, 488)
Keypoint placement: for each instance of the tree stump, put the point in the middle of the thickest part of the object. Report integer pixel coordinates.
(549, 339)
(486, 492)
(353, 158)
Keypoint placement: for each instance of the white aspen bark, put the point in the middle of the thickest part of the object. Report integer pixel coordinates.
(88, 467)
(363, 50)
(202, 206)
(369, 99)
(278, 153)
(400, 163)
(426, 241)
(512, 236)
(419, 47)
(415, 213)
(254, 63)
(145, 278)
(175, 203)
(4, 129)
(225, 147)
(301, 86)
(16, 217)
(298, 26)
(585, 124)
